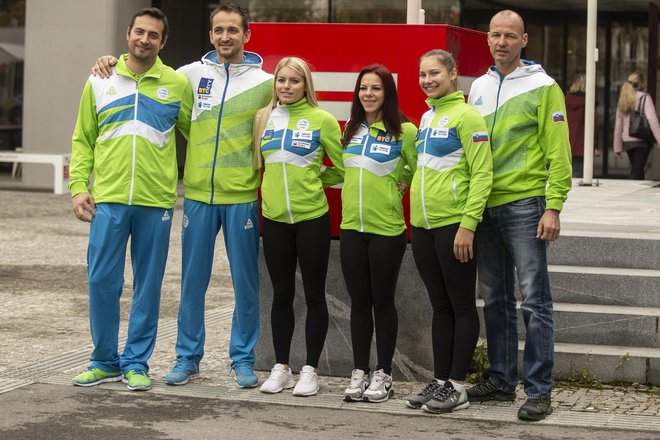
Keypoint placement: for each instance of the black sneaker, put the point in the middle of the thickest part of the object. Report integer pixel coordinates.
(486, 390)
(535, 410)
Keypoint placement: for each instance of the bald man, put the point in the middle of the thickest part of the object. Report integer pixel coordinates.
(525, 113)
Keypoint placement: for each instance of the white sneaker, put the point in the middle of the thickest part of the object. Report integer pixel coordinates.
(308, 385)
(380, 388)
(280, 378)
(359, 383)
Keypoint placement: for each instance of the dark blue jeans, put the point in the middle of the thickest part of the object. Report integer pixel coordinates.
(507, 243)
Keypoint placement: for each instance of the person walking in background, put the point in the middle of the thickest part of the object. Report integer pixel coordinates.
(575, 111)
(525, 113)
(295, 134)
(379, 143)
(221, 186)
(631, 95)
(124, 135)
(447, 198)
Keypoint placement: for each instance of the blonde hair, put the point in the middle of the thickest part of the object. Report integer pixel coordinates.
(579, 83)
(262, 116)
(627, 95)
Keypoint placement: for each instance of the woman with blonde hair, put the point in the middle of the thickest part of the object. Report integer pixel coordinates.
(631, 97)
(294, 134)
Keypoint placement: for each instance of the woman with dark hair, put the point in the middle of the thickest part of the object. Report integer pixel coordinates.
(379, 149)
(448, 195)
(631, 97)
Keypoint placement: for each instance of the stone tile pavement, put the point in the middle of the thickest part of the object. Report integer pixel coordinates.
(45, 333)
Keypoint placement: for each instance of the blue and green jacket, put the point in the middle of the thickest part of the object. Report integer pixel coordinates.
(296, 138)
(454, 166)
(374, 162)
(125, 136)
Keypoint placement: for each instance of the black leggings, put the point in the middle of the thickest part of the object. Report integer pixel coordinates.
(308, 243)
(371, 264)
(451, 289)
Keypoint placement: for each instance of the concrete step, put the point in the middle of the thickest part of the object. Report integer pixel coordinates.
(610, 251)
(606, 286)
(607, 363)
(599, 324)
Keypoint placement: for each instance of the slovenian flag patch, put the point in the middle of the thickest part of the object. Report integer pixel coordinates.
(479, 136)
(557, 117)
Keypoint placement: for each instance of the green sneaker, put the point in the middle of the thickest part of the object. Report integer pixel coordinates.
(95, 376)
(535, 410)
(137, 380)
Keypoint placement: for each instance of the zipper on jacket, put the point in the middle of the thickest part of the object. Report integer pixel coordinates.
(217, 133)
(135, 109)
(426, 139)
(364, 147)
(286, 184)
(497, 106)
(453, 188)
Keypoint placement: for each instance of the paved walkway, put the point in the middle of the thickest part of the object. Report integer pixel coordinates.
(45, 333)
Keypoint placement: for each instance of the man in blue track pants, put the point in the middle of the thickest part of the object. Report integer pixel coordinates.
(124, 135)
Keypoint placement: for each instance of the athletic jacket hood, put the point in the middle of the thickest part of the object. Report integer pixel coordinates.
(219, 160)
(525, 114)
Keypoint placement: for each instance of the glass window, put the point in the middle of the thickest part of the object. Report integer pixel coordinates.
(12, 53)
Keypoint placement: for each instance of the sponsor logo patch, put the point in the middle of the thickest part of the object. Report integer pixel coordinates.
(439, 133)
(166, 216)
(163, 93)
(479, 136)
(443, 121)
(248, 224)
(379, 149)
(300, 144)
(185, 221)
(302, 124)
(111, 91)
(558, 117)
(268, 135)
(204, 87)
(384, 137)
(357, 139)
(479, 101)
(303, 135)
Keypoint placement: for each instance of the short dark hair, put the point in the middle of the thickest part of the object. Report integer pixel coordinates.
(392, 115)
(155, 13)
(233, 8)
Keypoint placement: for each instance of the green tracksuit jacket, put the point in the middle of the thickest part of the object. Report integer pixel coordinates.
(124, 135)
(454, 166)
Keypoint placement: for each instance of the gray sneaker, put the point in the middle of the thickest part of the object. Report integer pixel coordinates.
(416, 401)
(380, 388)
(359, 383)
(446, 399)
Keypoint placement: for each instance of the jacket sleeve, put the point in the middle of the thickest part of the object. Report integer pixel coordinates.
(185, 111)
(83, 142)
(409, 151)
(555, 144)
(480, 167)
(649, 111)
(331, 142)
